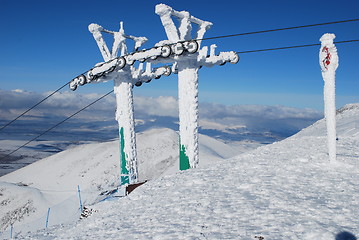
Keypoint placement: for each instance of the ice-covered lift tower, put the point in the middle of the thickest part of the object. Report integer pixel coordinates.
(186, 57)
(124, 99)
(125, 75)
(187, 67)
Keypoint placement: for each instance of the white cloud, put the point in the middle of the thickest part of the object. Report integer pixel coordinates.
(160, 106)
(157, 106)
(154, 111)
(13, 103)
(229, 113)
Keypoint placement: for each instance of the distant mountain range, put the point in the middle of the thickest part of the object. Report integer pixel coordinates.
(77, 132)
(253, 124)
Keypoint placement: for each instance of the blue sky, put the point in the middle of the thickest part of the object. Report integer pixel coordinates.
(44, 44)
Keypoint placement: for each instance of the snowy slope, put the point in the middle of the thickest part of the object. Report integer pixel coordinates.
(93, 167)
(347, 125)
(160, 156)
(287, 190)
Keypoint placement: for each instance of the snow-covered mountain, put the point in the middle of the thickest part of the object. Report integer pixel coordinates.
(285, 190)
(53, 181)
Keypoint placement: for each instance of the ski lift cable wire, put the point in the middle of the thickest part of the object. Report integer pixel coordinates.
(251, 51)
(255, 32)
(35, 105)
(238, 52)
(208, 38)
(56, 125)
(261, 31)
(279, 29)
(296, 46)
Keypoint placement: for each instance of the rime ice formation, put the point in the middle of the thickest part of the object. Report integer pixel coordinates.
(123, 83)
(119, 41)
(328, 60)
(184, 31)
(187, 68)
(188, 113)
(186, 56)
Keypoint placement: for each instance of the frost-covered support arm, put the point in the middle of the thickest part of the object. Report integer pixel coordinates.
(119, 41)
(328, 60)
(185, 27)
(96, 29)
(120, 37)
(212, 59)
(139, 76)
(184, 31)
(202, 30)
(165, 13)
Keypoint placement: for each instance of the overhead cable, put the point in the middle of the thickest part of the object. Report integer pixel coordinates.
(48, 130)
(22, 114)
(280, 29)
(217, 37)
(297, 46)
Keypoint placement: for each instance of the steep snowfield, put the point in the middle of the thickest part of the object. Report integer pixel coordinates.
(286, 190)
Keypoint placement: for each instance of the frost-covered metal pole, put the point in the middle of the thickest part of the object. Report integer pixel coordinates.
(179, 48)
(328, 60)
(123, 83)
(188, 113)
(187, 82)
(187, 67)
(125, 76)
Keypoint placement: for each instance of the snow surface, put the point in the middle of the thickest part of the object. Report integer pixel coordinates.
(93, 167)
(286, 190)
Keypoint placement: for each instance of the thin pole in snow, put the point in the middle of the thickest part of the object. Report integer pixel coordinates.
(11, 230)
(47, 218)
(78, 190)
